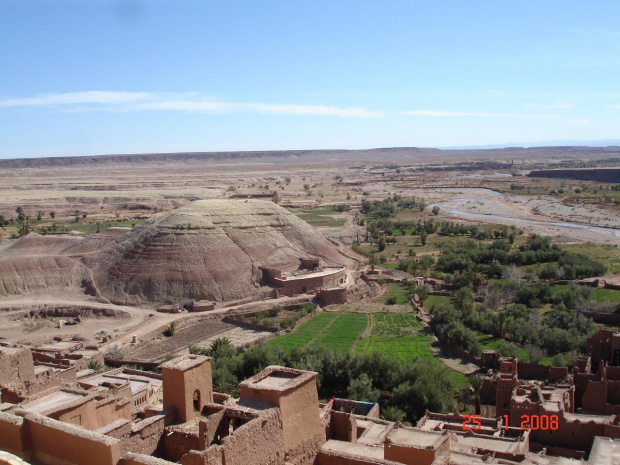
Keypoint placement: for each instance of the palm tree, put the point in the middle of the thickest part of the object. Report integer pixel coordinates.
(463, 299)
(95, 365)
(476, 277)
(373, 261)
(413, 268)
(475, 381)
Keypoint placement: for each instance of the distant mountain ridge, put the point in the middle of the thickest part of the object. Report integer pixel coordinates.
(364, 154)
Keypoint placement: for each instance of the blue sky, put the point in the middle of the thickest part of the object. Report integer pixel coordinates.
(84, 77)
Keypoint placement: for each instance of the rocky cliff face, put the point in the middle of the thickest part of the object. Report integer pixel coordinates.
(209, 249)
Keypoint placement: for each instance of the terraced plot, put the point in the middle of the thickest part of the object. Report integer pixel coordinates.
(399, 336)
(392, 324)
(304, 333)
(435, 301)
(342, 334)
(404, 349)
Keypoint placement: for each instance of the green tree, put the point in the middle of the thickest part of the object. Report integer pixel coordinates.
(423, 236)
(422, 291)
(381, 245)
(463, 300)
(171, 329)
(476, 381)
(221, 347)
(393, 414)
(95, 365)
(436, 210)
(361, 389)
(476, 277)
(372, 261)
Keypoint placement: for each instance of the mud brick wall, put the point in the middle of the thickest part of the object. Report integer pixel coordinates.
(258, 441)
(12, 434)
(141, 459)
(54, 442)
(146, 436)
(177, 443)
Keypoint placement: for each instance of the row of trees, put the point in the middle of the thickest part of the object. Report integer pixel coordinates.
(560, 330)
(456, 258)
(411, 388)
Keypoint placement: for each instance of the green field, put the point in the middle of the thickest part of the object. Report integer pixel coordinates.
(394, 324)
(599, 295)
(321, 217)
(397, 335)
(304, 333)
(435, 301)
(399, 292)
(404, 349)
(492, 343)
(342, 334)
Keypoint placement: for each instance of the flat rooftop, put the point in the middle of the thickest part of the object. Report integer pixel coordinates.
(57, 347)
(277, 378)
(353, 448)
(52, 402)
(374, 433)
(605, 451)
(303, 274)
(137, 383)
(416, 437)
(498, 445)
(187, 362)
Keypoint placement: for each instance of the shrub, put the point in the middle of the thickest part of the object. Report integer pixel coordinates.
(171, 329)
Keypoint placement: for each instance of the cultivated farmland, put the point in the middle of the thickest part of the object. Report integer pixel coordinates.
(304, 333)
(398, 336)
(342, 334)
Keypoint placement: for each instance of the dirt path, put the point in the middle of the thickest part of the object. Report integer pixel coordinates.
(445, 356)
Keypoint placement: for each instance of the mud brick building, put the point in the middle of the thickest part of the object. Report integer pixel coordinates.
(277, 420)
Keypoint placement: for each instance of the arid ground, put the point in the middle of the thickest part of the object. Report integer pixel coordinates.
(74, 197)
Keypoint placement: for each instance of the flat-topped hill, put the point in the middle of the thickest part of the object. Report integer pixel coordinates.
(209, 249)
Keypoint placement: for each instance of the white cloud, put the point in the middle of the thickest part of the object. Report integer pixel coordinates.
(560, 105)
(617, 106)
(441, 113)
(144, 101)
(87, 97)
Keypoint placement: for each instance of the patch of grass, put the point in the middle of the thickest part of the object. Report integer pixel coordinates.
(399, 292)
(321, 217)
(599, 295)
(606, 295)
(304, 333)
(395, 324)
(343, 333)
(404, 349)
(607, 254)
(433, 301)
